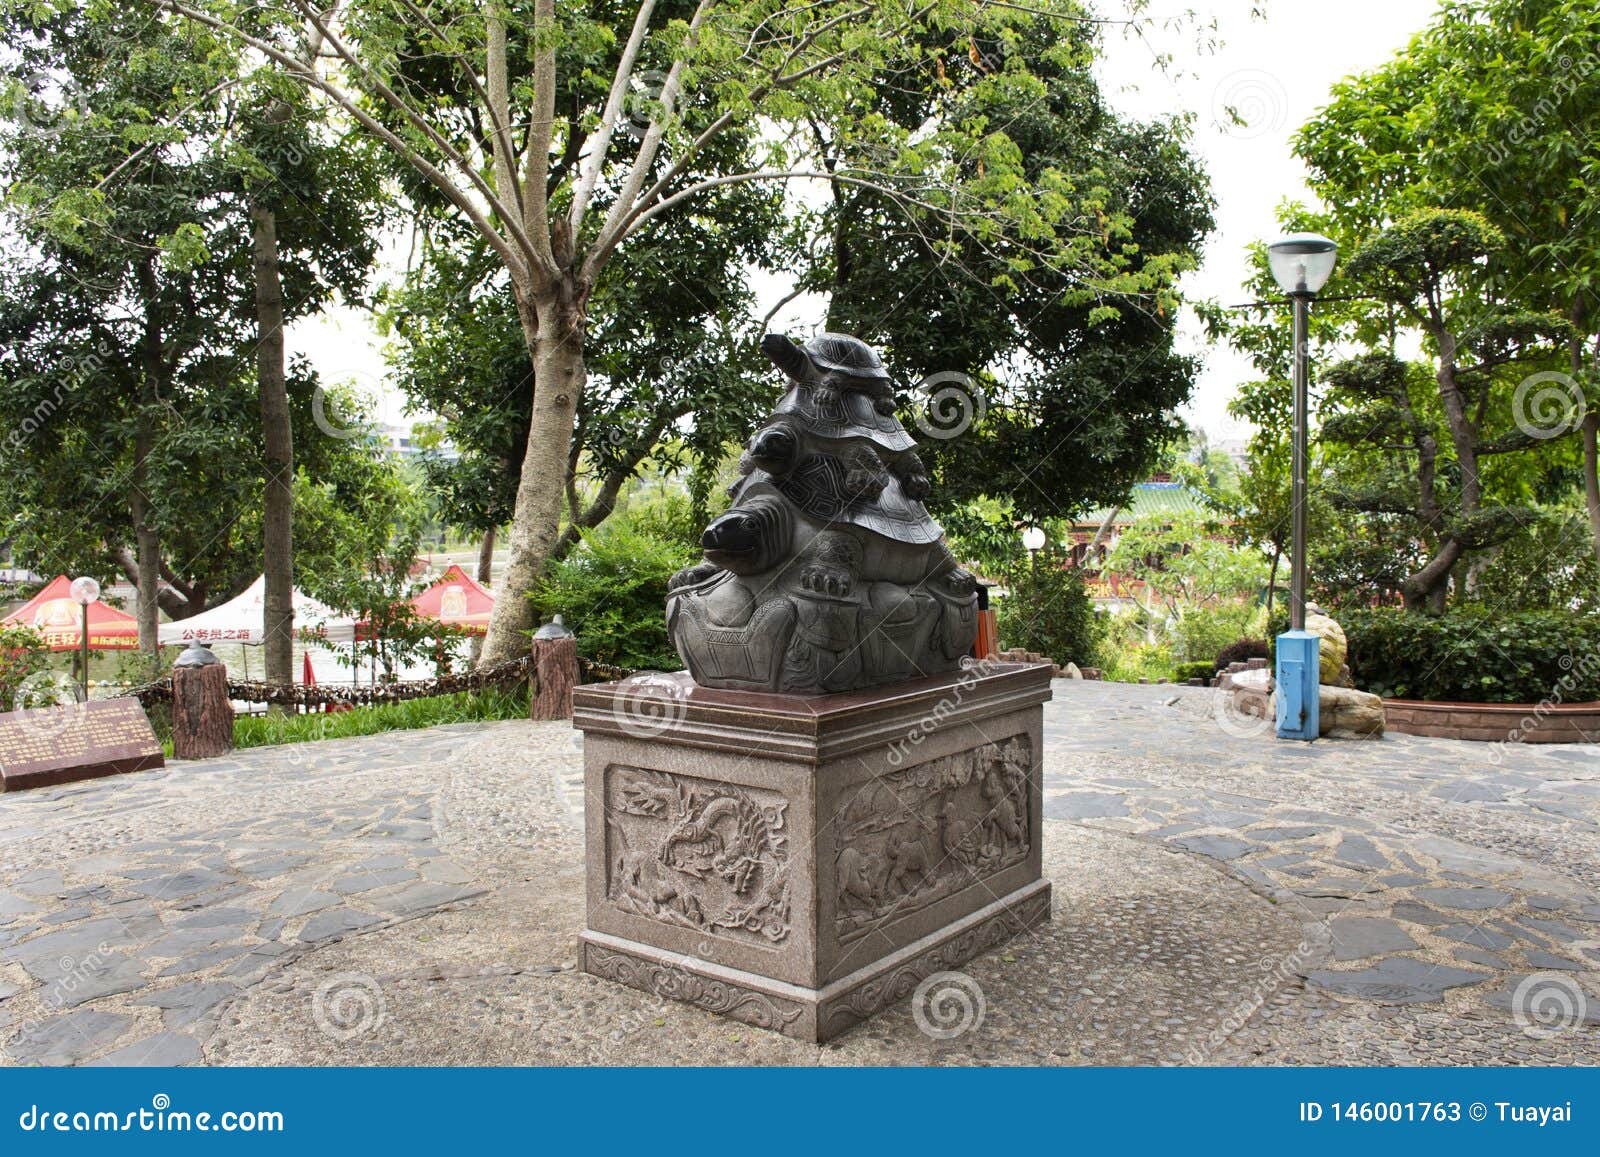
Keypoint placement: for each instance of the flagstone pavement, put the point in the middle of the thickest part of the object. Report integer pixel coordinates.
(414, 898)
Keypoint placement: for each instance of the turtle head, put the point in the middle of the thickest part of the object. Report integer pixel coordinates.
(833, 361)
(788, 357)
(749, 538)
(773, 448)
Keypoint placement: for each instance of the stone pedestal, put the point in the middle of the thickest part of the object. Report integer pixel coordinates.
(801, 862)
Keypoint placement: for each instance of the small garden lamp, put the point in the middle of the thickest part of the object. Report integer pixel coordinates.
(1301, 264)
(1033, 540)
(84, 591)
(556, 628)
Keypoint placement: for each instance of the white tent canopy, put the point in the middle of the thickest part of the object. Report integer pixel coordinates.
(241, 621)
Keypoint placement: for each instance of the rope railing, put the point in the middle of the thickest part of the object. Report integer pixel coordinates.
(315, 695)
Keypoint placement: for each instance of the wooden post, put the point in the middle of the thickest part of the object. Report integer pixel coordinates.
(202, 717)
(555, 674)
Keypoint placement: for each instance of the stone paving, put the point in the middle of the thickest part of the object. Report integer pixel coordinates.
(1221, 898)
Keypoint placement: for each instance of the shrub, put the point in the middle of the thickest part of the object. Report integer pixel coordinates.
(1152, 661)
(22, 653)
(1475, 656)
(612, 589)
(1047, 609)
(1203, 631)
(1204, 669)
(1240, 652)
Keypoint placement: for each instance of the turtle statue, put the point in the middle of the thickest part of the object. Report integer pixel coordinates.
(826, 573)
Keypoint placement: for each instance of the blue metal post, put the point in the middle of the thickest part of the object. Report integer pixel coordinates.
(1299, 656)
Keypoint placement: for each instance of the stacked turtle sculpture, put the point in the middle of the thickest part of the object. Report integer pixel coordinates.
(826, 574)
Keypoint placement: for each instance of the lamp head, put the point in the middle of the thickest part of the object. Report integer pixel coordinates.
(1301, 263)
(1033, 538)
(84, 590)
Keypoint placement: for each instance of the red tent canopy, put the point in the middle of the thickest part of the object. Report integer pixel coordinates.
(457, 600)
(56, 615)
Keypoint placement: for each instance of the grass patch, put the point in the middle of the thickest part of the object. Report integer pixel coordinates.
(463, 707)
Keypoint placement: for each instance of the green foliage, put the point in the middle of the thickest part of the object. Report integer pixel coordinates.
(612, 589)
(1136, 661)
(1047, 609)
(1205, 631)
(1242, 650)
(1475, 655)
(1184, 564)
(463, 707)
(1548, 562)
(984, 535)
(22, 653)
(1183, 672)
(127, 303)
(357, 537)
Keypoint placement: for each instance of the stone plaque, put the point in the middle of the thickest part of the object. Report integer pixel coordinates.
(49, 745)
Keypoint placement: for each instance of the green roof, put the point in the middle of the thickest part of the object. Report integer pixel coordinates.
(1147, 498)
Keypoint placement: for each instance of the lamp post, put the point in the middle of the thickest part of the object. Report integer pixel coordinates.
(1301, 264)
(84, 591)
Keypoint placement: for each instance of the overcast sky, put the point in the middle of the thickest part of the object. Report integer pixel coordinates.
(1275, 71)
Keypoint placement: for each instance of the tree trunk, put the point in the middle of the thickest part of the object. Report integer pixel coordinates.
(1591, 484)
(486, 558)
(277, 437)
(146, 539)
(558, 372)
(202, 717)
(555, 674)
(486, 577)
(1272, 581)
(1427, 588)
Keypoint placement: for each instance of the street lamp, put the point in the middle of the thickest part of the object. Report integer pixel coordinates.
(84, 591)
(1301, 264)
(1033, 540)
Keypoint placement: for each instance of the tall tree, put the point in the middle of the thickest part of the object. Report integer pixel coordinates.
(1494, 107)
(132, 311)
(538, 166)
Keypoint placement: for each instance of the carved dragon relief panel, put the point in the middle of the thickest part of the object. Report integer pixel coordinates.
(915, 836)
(698, 853)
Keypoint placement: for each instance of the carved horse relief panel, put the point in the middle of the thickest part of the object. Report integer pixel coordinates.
(910, 838)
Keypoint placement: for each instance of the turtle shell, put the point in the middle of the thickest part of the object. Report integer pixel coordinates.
(817, 487)
(845, 414)
(846, 354)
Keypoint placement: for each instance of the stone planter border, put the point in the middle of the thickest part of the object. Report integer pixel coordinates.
(1495, 722)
